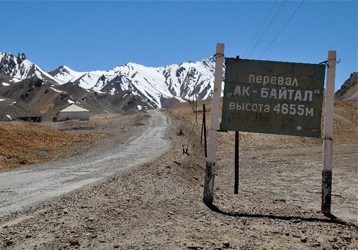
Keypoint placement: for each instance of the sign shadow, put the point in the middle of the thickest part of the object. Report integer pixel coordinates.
(329, 218)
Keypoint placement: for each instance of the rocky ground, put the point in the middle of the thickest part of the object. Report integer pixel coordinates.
(159, 205)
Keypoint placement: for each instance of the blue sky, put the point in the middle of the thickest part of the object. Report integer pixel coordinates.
(100, 35)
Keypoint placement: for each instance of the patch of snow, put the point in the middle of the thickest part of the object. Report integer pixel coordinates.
(14, 80)
(9, 117)
(38, 74)
(1, 100)
(5, 84)
(56, 90)
(70, 101)
(139, 107)
(14, 102)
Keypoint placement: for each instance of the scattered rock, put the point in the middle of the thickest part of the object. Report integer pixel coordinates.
(335, 246)
(226, 244)
(347, 238)
(181, 133)
(195, 247)
(213, 246)
(316, 244)
(74, 242)
(9, 242)
(304, 238)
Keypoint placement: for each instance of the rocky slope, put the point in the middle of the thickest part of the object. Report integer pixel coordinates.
(349, 89)
(36, 97)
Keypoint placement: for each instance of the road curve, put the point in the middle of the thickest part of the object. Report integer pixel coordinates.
(20, 188)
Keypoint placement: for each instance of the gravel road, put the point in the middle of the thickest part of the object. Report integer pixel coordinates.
(20, 188)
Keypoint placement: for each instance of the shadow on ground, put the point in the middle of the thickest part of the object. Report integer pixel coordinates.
(329, 218)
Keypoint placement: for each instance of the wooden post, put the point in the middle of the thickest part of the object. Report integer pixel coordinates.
(210, 159)
(196, 106)
(204, 124)
(328, 134)
(236, 184)
(202, 130)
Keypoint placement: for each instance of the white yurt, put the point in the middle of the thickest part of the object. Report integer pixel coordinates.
(73, 112)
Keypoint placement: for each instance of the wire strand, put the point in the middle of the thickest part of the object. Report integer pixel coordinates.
(258, 31)
(268, 26)
(283, 27)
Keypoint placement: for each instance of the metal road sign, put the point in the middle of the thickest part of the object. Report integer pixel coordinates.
(273, 97)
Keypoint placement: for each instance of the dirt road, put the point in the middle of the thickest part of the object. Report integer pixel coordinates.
(27, 186)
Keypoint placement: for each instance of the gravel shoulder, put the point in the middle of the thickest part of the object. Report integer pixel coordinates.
(158, 205)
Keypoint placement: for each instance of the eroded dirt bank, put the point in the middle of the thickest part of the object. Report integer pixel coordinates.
(159, 205)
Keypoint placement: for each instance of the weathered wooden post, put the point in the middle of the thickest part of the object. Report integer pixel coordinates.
(236, 183)
(210, 159)
(204, 124)
(328, 134)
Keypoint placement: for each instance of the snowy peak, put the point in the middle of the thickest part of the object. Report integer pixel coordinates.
(20, 68)
(178, 82)
(17, 67)
(64, 74)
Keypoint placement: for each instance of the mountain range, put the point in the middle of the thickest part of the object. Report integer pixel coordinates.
(158, 87)
(127, 87)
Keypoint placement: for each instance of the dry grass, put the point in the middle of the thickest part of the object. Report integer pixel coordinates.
(23, 143)
(345, 128)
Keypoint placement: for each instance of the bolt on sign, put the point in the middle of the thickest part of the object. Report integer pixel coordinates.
(273, 97)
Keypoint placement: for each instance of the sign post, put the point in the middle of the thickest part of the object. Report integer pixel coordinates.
(275, 98)
(328, 134)
(210, 159)
(281, 98)
(236, 183)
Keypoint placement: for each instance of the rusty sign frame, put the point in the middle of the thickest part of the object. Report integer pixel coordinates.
(273, 97)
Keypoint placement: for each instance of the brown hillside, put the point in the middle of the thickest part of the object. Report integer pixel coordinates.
(23, 143)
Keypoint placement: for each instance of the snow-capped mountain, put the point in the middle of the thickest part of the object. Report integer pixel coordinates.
(180, 82)
(159, 86)
(19, 68)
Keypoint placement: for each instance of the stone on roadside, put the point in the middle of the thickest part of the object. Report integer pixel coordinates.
(226, 244)
(9, 242)
(335, 246)
(74, 242)
(304, 238)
